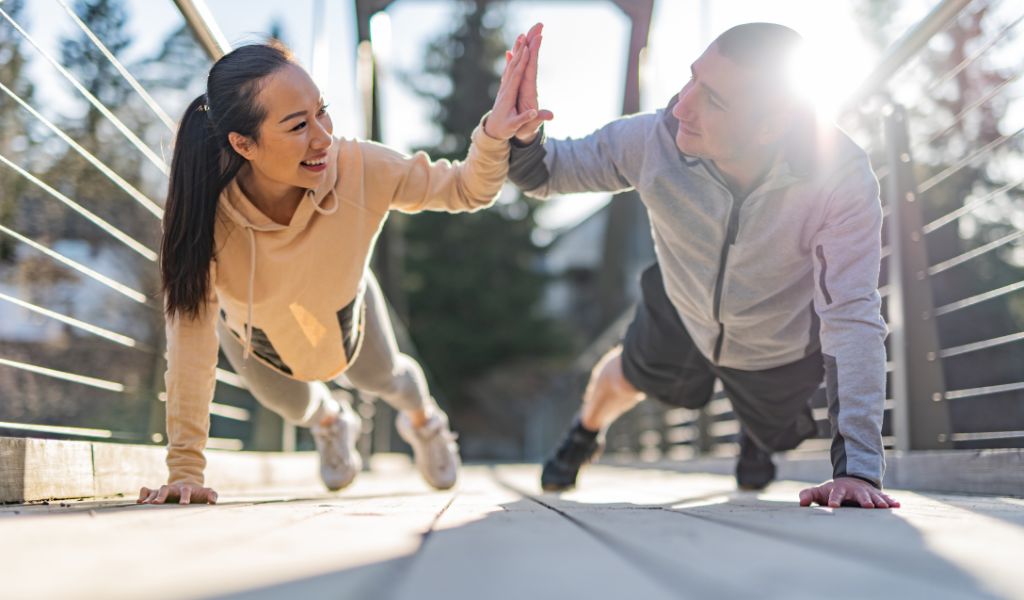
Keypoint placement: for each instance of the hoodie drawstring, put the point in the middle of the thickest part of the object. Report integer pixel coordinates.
(325, 211)
(251, 230)
(252, 284)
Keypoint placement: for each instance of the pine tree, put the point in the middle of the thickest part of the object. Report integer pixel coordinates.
(470, 279)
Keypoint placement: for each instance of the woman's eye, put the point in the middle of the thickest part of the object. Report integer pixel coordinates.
(299, 126)
(323, 110)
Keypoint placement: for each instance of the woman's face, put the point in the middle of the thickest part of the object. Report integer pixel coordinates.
(295, 135)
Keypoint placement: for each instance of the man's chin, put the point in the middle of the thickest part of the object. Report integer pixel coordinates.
(688, 147)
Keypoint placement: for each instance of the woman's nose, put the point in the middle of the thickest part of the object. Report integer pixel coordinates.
(322, 139)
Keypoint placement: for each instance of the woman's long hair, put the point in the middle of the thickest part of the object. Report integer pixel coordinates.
(203, 165)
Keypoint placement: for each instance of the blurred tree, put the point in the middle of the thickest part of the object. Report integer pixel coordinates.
(17, 141)
(470, 279)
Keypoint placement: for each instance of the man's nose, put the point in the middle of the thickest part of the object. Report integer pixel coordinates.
(684, 104)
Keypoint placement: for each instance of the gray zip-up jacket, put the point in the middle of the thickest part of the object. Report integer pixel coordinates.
(758, 282)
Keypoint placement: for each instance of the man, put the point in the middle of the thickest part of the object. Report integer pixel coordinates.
(767, 235)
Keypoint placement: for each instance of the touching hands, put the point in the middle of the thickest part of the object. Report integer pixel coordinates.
(508, 116)
(182, 493)
(846, 491)
(527, 96)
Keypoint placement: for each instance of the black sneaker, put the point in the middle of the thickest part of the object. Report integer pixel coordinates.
(579, 447)
(754, 469)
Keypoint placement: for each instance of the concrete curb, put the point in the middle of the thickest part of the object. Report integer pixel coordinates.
(992, 472)
(40, 469)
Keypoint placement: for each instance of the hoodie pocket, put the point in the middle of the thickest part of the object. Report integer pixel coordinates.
(820, 251)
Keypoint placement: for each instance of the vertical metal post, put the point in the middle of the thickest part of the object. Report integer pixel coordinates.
(390, 250)
(627, 219)
(921, 415)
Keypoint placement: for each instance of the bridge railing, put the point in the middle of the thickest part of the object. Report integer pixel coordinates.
(942, 117)
(81, 325)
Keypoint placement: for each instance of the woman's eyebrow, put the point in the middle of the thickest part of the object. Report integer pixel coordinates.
(299, 113)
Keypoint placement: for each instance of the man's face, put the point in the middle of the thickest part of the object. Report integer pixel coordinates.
(721, 117)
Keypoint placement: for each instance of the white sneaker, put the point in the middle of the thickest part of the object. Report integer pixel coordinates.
(340, 462)
(434, 447)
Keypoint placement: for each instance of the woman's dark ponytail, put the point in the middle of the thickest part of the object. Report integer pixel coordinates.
(204, 163)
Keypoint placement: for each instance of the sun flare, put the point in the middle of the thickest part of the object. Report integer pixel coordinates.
(826, 75)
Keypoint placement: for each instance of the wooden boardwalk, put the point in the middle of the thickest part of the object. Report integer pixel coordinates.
(627, 533)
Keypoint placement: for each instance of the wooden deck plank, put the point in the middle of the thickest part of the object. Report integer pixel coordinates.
(683, 529)
(493, 543)
(199, 551)
(625, 533)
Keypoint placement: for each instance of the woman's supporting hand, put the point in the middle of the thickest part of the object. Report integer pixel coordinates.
(182, 493)
(506, 118)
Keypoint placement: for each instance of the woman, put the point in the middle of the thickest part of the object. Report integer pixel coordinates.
(269, 226)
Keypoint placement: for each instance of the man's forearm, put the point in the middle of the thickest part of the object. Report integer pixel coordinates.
(526, 163)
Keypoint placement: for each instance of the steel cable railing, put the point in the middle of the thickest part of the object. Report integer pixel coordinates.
(146, 151)
(134, 83)
(113, 284)
(970, 207)
(998, 362)
(131, 389)
(106, 334)
(119, 181)
(114, 232)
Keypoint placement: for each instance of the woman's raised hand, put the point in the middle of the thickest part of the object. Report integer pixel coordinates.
(182, 493)
(527, 97)
(507, 118)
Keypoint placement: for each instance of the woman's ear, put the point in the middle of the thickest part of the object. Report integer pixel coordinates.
(243, 145)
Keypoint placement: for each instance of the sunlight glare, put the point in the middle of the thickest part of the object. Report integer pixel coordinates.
(825, 75)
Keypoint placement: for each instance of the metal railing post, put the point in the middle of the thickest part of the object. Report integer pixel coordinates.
(918, 385)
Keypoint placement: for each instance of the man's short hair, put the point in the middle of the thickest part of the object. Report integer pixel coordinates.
(771, 51)
(767, 46)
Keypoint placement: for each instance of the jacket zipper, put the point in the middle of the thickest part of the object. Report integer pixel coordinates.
(820, 251)
(731, 231)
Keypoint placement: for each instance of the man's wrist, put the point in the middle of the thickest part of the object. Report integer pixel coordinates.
(859, 478)
(527, 141)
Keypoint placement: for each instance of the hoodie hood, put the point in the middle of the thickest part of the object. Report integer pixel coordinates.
(238, 208)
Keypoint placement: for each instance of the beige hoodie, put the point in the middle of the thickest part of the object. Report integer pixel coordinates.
(291, 293)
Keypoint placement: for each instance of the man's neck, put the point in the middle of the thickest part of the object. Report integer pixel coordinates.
(744, 174)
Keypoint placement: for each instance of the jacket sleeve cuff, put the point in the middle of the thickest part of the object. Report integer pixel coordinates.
(875, 484)
(481, 139)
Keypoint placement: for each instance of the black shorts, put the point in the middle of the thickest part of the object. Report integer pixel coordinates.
(660, 359)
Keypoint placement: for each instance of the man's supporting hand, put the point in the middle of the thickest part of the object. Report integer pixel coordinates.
(847, 491)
